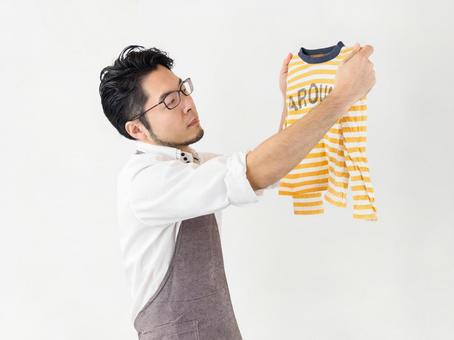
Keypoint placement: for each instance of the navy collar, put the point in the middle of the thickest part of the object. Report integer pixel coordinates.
(331, 53)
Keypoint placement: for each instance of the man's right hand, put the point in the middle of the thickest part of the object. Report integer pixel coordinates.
(355, 75)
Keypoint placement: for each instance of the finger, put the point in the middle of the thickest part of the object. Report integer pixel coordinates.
(367, 50)
(286, 61)
(356, 48)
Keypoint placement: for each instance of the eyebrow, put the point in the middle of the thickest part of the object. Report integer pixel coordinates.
(166, 93)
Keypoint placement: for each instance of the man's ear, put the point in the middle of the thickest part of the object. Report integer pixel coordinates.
(135, 129)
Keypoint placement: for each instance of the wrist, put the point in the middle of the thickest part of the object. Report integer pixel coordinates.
(342, 99)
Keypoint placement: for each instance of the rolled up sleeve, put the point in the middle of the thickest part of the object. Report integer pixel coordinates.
(260, 192)
(171, 190)
(239, 189)
(238, 166)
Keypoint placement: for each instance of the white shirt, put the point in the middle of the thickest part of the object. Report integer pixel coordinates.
(156, 191)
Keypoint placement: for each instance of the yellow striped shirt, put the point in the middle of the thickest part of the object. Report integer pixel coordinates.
(339, 159)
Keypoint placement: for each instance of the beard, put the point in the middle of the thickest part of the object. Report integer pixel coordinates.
(174, 144)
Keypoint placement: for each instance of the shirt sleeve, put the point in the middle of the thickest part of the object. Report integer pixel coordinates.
(171, 190)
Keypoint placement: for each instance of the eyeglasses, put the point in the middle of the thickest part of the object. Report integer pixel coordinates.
(173, 99)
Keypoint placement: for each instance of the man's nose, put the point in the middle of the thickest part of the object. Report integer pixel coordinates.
(187, 104)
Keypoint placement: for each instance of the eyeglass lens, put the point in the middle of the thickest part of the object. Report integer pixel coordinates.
(173, 99)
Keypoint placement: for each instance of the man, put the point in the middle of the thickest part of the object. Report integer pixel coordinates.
(170, 197)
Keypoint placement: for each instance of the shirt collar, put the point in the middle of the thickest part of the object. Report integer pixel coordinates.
(174, 153)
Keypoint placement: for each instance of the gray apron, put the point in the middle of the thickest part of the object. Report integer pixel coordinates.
(193, 300)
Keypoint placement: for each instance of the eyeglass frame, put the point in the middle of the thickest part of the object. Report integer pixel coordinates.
(164, 98)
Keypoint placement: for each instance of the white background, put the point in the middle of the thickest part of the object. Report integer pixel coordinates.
(291, 277)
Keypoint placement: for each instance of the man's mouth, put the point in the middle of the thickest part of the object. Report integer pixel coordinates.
(194, 121)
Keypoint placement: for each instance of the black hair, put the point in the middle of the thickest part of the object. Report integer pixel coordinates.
(122, 96)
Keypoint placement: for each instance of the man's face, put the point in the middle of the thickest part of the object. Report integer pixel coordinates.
(169, 127)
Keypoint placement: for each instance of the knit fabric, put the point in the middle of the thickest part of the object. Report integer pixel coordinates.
(339, 159)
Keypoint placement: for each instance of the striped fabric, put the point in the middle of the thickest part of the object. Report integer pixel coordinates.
(339, 159)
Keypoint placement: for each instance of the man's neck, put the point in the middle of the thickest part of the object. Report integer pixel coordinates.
(186, 148)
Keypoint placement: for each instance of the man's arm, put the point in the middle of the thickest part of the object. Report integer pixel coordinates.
(276, 156)
(283, 117)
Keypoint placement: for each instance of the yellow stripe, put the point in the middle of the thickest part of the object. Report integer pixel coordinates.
(336, 203)
(338, 173)
(307, 204)
(312, 165)
(363, 207)
(338, 184)
(312, 154)
(307, 174)
(348, 129)
(348, 119)
(360, 178)
(309, 195)
(342, 119)
(332, 140)
(301, 62)
(359, 159)
(295, 185)
(339, 152)
(316, 189)
(320, 172)
(335, 193)
(285, 193)
(366, 217)
(358, 168)
(361, 188)
(307, 74)
(356, 149)
(363, 197)
(335, 161)
(308, 212)
(355, 139)
(319, 81)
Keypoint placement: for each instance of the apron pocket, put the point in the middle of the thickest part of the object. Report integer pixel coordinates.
(186, 330)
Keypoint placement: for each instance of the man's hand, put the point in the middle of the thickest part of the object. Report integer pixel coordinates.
(283, 87)
(283, 74)
(355, 76)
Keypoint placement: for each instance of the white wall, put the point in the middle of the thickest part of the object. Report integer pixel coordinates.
(291, 277)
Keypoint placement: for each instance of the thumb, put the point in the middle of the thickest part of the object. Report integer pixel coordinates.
(356, 48)
(286, 61)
